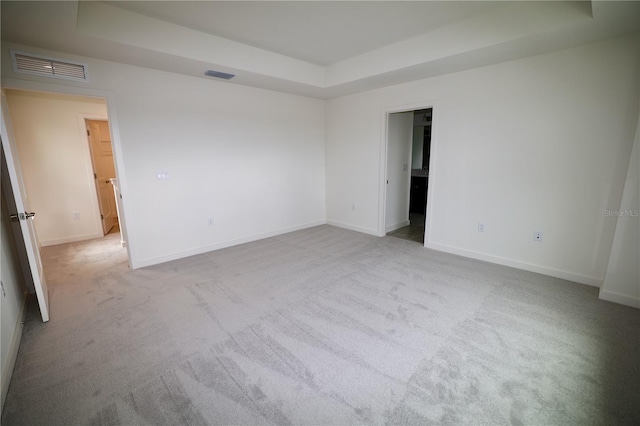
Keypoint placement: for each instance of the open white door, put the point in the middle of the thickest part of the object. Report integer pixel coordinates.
(13, 174)
(103, 170)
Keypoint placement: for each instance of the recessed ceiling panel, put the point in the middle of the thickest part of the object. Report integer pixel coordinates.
(320, 32)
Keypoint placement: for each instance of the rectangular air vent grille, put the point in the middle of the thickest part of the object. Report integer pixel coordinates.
(219, 74)
(48, 67)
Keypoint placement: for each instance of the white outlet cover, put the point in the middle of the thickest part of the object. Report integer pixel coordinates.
(162, 175)
(537, 235)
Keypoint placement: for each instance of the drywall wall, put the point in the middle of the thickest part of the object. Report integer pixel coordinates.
(12, 302)
(51, 137)
(539, 143)
(399, 147)
(251, 160)
(622, 280)
(417, 147)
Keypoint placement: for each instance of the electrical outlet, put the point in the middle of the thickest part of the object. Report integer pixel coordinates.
(210, 222)
(537, 235)
(482, 227)
(353, 207)
(162, 175)
(76, 215)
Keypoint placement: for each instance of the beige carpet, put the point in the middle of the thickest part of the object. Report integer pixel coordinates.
(320, 326)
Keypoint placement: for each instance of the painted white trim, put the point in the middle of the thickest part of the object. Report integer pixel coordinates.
(398, 226)
(622, 299)
(7, 369)
(433, 172)
(205, 249)
(382, 167)
(114, 127)
(350, 227)
(71, 239)
(382, 173)
(557, 273)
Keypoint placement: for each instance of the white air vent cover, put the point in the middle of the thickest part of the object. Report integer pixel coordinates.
(48, 67)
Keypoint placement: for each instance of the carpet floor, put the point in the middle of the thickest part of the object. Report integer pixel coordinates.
(320, 326)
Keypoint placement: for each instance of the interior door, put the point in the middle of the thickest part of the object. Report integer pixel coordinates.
(103, 171)
(399, 138)
(14, 192)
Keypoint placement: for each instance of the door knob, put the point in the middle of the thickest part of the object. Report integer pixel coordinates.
(22, 216)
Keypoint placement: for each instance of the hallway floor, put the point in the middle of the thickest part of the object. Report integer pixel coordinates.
(412, 232)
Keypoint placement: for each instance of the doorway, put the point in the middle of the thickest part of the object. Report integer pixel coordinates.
(104, 172)
(54, 156)
(67, 173)
(407, 172)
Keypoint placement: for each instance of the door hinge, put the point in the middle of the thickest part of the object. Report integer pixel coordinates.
(88, 132)
(101, 217)
(95, 176)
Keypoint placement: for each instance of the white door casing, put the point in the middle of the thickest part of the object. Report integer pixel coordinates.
(382, 192)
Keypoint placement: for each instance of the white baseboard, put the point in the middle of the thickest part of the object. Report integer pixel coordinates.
(397, 226)
(609, 296)
(179, 255)
(570, 276)
(14, 345)
(352, 227)
(72, 239)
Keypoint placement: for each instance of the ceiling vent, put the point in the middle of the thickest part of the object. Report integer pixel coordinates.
(219, 74)
(48, 67)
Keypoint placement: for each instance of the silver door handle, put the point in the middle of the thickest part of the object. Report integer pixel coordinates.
(22, 216)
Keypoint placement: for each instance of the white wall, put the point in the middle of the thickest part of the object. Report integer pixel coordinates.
(398, 170)
(539, 143)
(252, 160)
(417, 147)
(12, 302)
(56, 165)
(622, 280)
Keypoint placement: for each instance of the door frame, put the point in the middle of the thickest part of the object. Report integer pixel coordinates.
(384, 150)
(116, 143)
